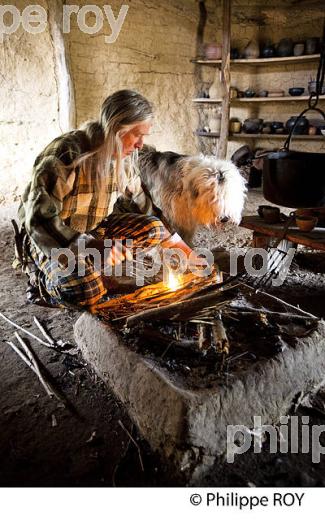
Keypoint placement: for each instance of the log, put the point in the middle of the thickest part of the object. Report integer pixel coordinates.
(181, 310)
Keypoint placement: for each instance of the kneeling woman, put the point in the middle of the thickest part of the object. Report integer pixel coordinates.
(75, 184)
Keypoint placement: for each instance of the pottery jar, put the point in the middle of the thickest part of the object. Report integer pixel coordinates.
(298, 49)
(311, 45)
(301, 126)
(285, 47)
(252, 50)
(212, 51)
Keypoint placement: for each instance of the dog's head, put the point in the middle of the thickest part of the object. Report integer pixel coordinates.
(215, 188)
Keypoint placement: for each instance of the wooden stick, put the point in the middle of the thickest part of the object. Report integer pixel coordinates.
(280, 315)
(220, 336)
(24, 330)
(290, 305)
(37, 368)
(175, 309)
(43, 331)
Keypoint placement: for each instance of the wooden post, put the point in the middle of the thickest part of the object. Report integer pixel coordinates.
(66, 99)
(225, 79)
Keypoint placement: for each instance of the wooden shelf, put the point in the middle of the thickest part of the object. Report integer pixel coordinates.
(263, 61)
(264, 136)
(277, 136)
(257, 99)
(270, 99)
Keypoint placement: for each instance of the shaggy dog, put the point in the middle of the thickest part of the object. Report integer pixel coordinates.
(192, 190)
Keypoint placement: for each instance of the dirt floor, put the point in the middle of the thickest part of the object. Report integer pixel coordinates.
(88, 444)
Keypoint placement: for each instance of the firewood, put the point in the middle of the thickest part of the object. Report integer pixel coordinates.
(220, 336)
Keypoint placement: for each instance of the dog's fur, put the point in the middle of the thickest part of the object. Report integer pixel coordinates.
(192, 190)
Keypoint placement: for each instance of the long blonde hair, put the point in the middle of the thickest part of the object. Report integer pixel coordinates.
(119, 113)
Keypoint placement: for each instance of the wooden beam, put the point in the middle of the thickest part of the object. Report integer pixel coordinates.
(225, 79)
(66, 98)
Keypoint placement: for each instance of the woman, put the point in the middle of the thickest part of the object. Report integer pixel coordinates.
(75, 183)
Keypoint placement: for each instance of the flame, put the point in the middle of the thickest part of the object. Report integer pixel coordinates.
(173, 282)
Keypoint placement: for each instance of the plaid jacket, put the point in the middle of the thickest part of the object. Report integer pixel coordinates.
(60, 203)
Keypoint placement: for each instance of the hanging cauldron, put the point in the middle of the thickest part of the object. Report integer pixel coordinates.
(295, 179)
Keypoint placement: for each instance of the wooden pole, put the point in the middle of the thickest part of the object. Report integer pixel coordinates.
(66, 98)
(225, 79)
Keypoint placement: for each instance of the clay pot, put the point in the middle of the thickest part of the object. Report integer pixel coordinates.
(235, 127)
(252, 50)
(298, 49)
(268, 51)
(312, 130)
(306, 223)
(249, 93)
(301, 126)
(234, 54)
(285, 47)
(252, 126)
(213, 51)
(276, 125)
(271, 214)
(311, 45)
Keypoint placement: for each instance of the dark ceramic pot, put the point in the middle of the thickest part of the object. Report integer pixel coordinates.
(311, 45)
(252, 126)
(234, 54)
(285, 47)
(276, 125)
(301, 126)
(268, 51)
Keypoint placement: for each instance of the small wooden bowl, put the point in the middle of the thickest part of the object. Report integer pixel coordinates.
(306, 223)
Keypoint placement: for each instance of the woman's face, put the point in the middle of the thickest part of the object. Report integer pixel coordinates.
(134, 138)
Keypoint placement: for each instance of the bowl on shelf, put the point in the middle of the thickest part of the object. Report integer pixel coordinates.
(276, 93)
(276, 126)
(305, 223)
(322, 131)
(296, 91)
(249, 93)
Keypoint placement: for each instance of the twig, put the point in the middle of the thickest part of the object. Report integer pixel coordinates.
(284, 315)
(220, 336)
(43, 331)
(134, 442)
(37, 369)
(290, 306)
(25, 331)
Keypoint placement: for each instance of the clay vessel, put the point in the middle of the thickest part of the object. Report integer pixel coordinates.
(298, 49)
(252, 50)
(285, 47)
(311, 45)
(301, 127)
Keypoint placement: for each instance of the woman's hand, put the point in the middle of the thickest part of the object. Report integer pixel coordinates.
(111, 256)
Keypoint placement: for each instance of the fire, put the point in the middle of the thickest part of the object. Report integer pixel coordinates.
(173, 282)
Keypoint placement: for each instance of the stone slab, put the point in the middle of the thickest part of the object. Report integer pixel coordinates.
(189, 427)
